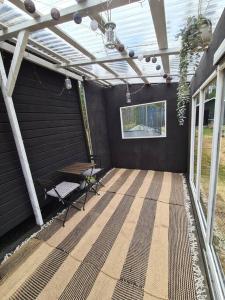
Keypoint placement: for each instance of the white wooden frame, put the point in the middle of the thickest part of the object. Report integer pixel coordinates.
(216, 276)
(144, 137)
(7, 86)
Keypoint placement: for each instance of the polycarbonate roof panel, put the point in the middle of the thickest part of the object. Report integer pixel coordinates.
(135, 81)
(122, 68)
(49, 39)
(134, 28)
(97, 70)
(11, 15)
(90, 40)
(115, 81)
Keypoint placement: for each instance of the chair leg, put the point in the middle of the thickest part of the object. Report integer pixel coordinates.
(85, 199)
(101, 184)
(64, 220)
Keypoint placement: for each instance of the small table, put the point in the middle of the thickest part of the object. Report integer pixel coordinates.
(77, 168)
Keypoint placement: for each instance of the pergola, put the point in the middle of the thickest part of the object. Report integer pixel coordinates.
(148, 27)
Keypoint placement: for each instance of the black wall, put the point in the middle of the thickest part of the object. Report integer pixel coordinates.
(52, 130)
(96, 107)
(165, 154)
(206, 67)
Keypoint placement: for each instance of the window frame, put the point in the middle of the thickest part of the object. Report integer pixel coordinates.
(207, 224)
(144, 137)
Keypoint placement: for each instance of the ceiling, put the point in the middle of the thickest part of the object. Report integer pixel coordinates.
(139, 27)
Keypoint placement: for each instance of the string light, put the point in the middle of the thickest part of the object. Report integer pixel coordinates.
(131, 53)
(128, 95)
(94, 25)
(77, 18)
(154, 59)
(140, 57)
(55, 14)
(29, 6)
(68, 83)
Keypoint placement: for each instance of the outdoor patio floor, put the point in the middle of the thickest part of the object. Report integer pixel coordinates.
(133, 241)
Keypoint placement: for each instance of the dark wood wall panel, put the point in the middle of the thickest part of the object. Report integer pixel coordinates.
(163, 154)
(52, 130)
(96, 107)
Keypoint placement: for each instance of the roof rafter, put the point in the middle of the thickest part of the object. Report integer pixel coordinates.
(41, 62)
(132, 77)
(115, 58)
(159, 21)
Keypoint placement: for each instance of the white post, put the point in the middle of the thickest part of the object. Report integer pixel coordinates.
(20, 145)
(16, 61)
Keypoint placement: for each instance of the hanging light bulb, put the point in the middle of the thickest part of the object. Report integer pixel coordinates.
(94, 25)
(110, 37)
(29, 6)
(77, 18)
(128, 95)
(68, 83)
(55, 14)
(140, 57)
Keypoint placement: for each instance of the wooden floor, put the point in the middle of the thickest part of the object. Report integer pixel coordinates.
(131, 242)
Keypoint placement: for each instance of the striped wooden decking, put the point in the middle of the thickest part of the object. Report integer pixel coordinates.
(131, 242)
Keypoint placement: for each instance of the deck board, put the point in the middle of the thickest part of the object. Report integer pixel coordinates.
(131, 242)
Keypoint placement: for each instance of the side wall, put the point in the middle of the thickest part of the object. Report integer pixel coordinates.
(206, 67)
(96, 108)
(52, 130)
(165, 154)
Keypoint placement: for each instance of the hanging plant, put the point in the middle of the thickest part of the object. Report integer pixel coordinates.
(195, 38)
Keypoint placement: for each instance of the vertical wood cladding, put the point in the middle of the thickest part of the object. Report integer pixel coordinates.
(96, 108)
(52, 131)
(163, 154)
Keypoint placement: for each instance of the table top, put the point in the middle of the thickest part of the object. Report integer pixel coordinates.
(77, 168)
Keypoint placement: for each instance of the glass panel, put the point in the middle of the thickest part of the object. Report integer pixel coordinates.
(144, 120)
(196, 102)
(208, 123)
(219, 225)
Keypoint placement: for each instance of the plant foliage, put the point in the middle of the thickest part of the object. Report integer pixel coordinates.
(191, 46)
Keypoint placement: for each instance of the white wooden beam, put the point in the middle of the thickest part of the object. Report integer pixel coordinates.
(20, 145)
(41, 62)
(3, 26)
(132, 77)
(85, 8)
(159, 20)
(16, 61)
(107, 59)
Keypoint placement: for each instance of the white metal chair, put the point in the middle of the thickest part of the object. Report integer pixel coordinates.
(62, 191)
